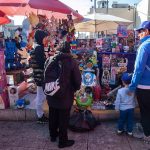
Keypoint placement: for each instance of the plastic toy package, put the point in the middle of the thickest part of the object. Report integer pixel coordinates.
(90, 89)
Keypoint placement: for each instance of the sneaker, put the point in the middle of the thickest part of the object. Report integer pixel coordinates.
(68, 143)
(130, 133)
(119, 132)
(42, 120)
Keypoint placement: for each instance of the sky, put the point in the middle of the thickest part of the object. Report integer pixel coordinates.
(82, 6)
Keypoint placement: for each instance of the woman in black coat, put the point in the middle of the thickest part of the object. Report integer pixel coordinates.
(59, 108)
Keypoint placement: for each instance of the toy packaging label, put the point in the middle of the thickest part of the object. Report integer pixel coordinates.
(13, 95)
(10, 79)
(99, 42)
(122, 31)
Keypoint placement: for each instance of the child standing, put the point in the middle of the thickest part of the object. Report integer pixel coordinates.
(125, 104)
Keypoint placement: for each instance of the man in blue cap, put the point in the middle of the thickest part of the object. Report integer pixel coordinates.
(141, 77)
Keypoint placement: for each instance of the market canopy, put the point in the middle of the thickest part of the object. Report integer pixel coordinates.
(100, 22)
(3, 18)
(22, 7)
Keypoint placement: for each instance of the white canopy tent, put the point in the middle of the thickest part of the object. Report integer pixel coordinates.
(101, 22)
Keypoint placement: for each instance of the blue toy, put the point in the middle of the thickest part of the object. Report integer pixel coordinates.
(20, 103)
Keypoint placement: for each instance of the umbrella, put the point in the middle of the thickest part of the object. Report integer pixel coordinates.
(21, 7)
(100, 22)
(3, 18)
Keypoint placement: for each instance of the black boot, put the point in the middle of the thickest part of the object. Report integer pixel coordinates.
(54, 138)
(68, 143)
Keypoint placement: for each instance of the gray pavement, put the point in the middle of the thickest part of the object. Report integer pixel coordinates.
(21, 135)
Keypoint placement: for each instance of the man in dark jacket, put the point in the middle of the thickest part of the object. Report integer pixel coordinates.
(59, 108)
(37, 61)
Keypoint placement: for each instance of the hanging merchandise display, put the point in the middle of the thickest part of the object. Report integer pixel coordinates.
(90, 89)
(115, 55)
(20, 43)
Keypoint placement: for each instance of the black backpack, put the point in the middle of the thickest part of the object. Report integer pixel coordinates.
(54, 78)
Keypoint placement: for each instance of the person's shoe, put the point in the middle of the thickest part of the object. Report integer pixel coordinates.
(42, 120)
(68, 143)
(130, 133)
(119, 132)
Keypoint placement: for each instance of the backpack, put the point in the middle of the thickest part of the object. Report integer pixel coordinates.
(54, 84)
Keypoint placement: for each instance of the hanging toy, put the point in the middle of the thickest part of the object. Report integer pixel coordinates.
(106, 76)
(73, 43)
(33, 19)
(113, 75)
(25, 30)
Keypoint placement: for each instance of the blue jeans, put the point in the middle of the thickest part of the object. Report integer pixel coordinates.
(126, 117)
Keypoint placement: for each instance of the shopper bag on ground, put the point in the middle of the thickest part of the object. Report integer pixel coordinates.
(82, 121)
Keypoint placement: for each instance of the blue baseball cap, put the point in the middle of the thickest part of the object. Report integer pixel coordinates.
(126, 77)
(144, 25)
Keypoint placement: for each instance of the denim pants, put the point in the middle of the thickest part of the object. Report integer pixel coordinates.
(126, 118)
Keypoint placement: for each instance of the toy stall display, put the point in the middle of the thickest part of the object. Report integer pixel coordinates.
(85, 44)
(18, 44)
(90, 88)
(113, 65)
(115, 55)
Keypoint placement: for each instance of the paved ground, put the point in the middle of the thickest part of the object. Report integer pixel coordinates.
(32, 136)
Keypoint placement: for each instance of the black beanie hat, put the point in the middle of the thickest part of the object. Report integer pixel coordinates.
(39, 36)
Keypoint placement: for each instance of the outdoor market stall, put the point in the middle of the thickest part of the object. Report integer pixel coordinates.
(19, 41)
(115, 54)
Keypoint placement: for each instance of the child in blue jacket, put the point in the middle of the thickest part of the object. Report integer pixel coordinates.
(125, 104)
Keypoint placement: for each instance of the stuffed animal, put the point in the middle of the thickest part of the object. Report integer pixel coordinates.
(33, 19)
(20, 103)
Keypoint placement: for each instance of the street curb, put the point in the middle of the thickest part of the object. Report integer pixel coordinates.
(30, 114)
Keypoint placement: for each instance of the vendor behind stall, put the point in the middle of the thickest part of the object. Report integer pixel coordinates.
(37, 63)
